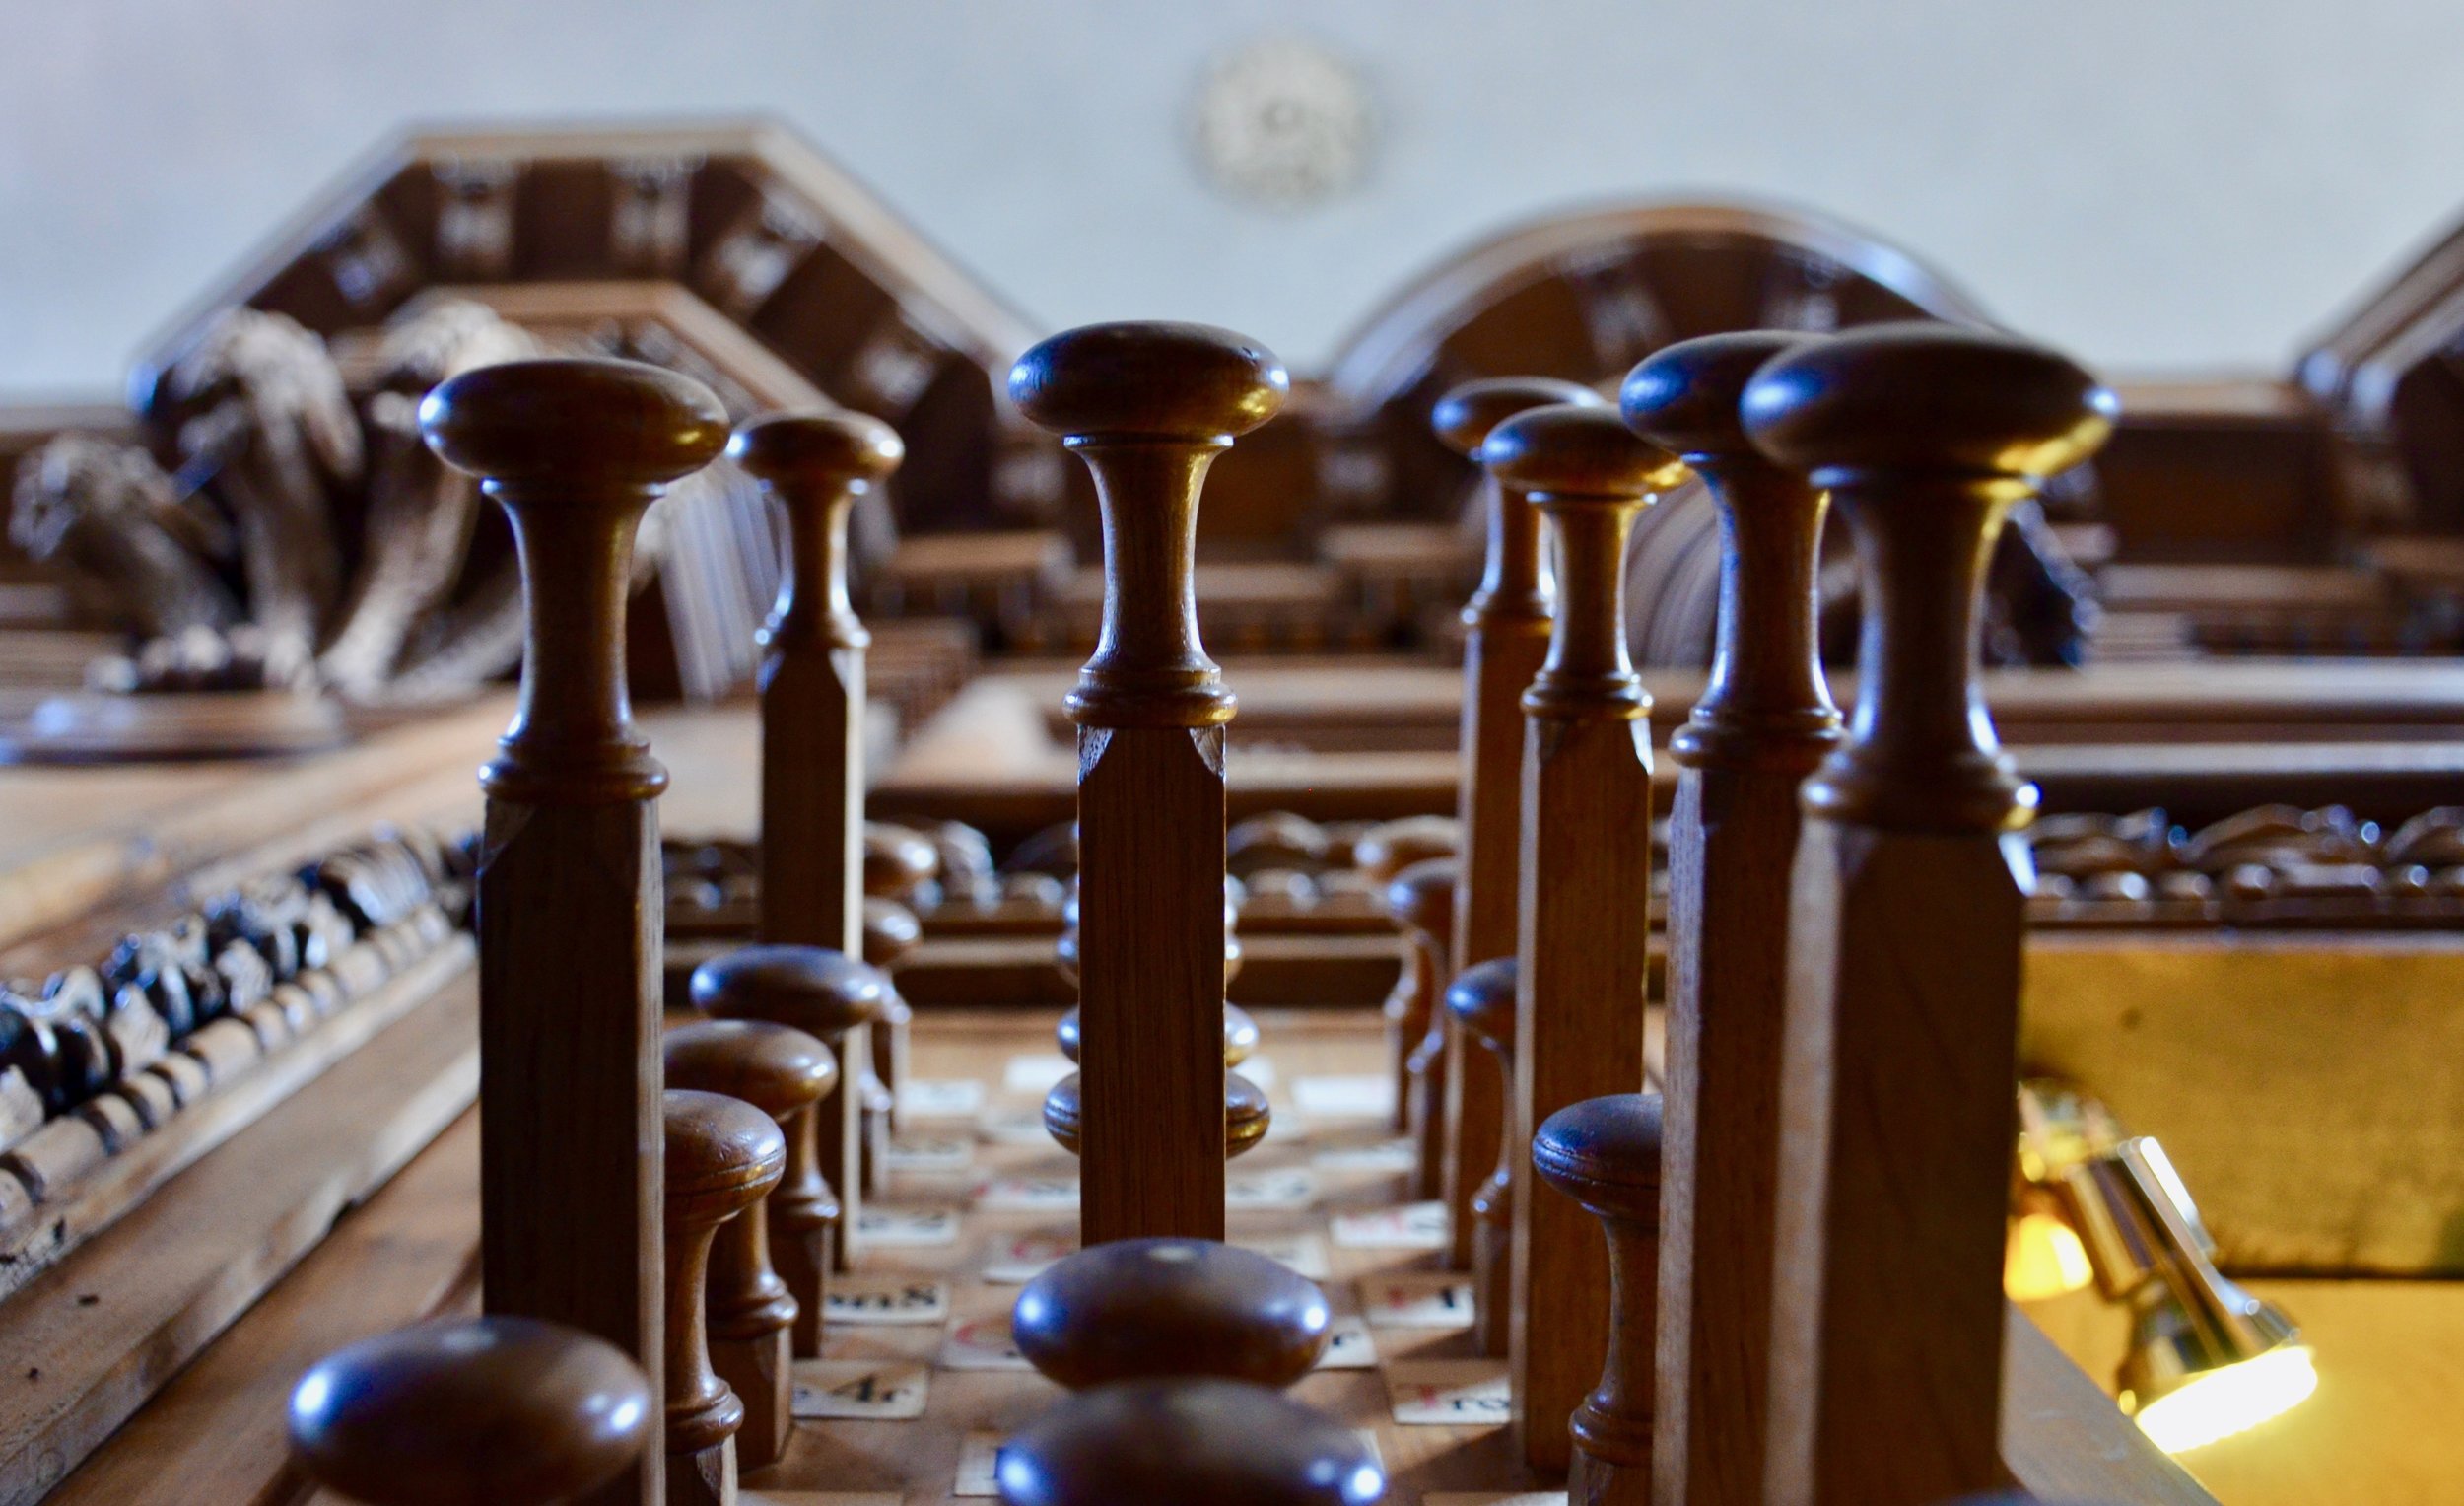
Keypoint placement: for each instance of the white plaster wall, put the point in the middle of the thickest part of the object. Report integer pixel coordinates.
(2156, 183)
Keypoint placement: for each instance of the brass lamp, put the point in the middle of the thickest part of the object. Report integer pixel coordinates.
(2207, 1358)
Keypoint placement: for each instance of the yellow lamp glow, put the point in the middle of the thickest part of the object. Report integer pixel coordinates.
(2043, 1259)
(2218, 1404)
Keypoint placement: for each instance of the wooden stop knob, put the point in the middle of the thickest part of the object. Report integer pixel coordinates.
(817, 453)
(1274, 839)
(891, 933)
(1389, 847)
(1148, 1309)
(1927, 398)
(1483, 1001)
(1191, 1443)
(475, 1411)
(619, 422)
(816, 464)
(1482, 998)
(810, 988)
(575, 450)
(1605, 1155)
(1510, 598)
(1685, 397)
(1464, 417)
(896, 860)
(1149, 407)
(776, 1068)
(723, 1156)
(1148, 381)
(1240, 1035)
(1421, 899)
(1925, 434)
(1246, 1115)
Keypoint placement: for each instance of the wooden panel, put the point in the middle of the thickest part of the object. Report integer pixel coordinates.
(72, 840)
(2187, 1037)
(173, 1273)
(2062, 1438)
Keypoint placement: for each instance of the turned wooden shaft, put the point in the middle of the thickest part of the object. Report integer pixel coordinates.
(1584, 937)
(1482, 1001)
(803, 1224)
(1381, 857)
(569, 890)
(812, 698)
(1149, 407)
(1604, 1153)
(1421, 899)
(1908, 923)
(1764, 719)
(724, 1157)
(1506, 629)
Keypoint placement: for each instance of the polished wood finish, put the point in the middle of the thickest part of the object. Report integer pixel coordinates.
(1153, 1309)
(1763, 722)
(812, 697)
(1190, 1442)
(1482, 1000)
(472, 1411)
(1240, 1035)
(1586, 877)
(724, 1157)
(783, 1073)
(214, 1242)
(1149, 407)
(569, 898)
(891, 934)
(1604, 1153)
(1380, 856)
(1422, 899)
(1905, 951)
(1505, 638)
(831, 996)
(1246, 1114)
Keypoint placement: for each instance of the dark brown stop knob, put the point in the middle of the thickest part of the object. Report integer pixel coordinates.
(474, 1411)
(1188, 1443)
(1143, 1309)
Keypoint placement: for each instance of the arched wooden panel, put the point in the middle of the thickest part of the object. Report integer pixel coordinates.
(1583, 296)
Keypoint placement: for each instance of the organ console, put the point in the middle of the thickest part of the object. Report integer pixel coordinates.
(1799, 1294)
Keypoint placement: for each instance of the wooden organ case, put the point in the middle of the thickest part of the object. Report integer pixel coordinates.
(236, 1123)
